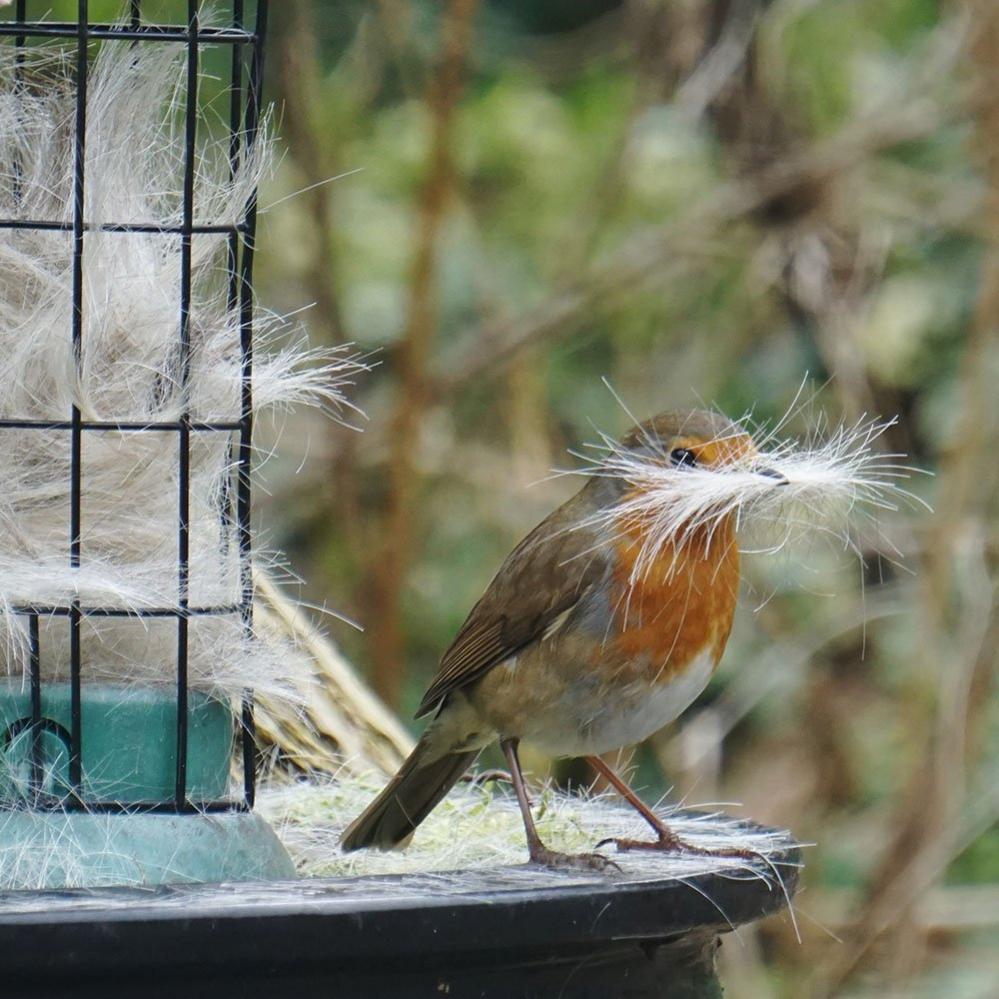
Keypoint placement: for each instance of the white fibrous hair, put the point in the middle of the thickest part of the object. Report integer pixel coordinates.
(474, 827)
(775, 492)
(130, 369)
(480, 825)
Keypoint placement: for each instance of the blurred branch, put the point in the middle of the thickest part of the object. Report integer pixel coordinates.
(957, 598)
(945, 909)
(923, 869)
(734, 24)
(485, 350)
(391, 564)
(300, 83)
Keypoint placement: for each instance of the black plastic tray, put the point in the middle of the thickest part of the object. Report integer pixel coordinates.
(509, 932)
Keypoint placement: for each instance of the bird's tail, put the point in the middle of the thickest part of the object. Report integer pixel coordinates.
(411, 795)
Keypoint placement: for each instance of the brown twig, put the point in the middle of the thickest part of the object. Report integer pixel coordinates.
(391, 564)
(300, 82)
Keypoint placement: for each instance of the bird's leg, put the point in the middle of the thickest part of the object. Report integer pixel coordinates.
(534, 845)
(666, 840)
(539, 853)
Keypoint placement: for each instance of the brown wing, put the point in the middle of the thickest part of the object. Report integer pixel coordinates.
(543, 577)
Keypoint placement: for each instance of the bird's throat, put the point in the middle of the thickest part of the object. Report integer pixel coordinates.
(682, 602)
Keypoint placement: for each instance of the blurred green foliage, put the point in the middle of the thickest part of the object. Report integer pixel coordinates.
(586, 157)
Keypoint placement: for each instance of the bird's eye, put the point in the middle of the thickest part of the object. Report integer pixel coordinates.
(683, 457)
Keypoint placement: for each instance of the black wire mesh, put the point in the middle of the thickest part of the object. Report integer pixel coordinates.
(245, 81)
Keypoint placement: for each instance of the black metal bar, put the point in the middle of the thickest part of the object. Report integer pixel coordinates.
(248, 728)
(19, 43)
(72, 804)
(76, 444)
(245, 460)
(142, 227)
(135, 14)
(145, 32)
(122, 426)
(35, 680)
(235, 130)
(247, 722)
(184, 433)
(226, 504)
(59, 610)
(75, 702)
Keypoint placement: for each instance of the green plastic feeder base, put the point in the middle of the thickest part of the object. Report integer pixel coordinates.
(128, 756)
(44, 850)
(128, 750)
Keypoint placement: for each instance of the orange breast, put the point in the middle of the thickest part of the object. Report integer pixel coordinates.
(683, 606)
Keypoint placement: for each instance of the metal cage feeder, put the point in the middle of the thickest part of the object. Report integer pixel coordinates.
(136, 776)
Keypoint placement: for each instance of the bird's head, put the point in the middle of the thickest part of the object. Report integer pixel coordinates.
(697, 439)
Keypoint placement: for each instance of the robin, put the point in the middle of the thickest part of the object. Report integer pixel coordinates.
(573, 652)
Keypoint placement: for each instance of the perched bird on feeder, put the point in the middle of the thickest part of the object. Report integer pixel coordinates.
(603, 624)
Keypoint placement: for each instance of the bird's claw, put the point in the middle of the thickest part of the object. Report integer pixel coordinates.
(572, 861)
(664, 844)
(673, 844)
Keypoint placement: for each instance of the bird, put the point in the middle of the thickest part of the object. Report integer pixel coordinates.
(571, 651)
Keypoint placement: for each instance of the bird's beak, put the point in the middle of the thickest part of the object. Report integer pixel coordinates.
(772, 473)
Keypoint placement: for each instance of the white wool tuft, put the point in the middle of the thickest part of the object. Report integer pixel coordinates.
(475, 827)
(828, 487)
(129, 371)
(480, 825)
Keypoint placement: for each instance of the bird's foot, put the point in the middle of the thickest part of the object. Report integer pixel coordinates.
(572, 861)
(669, 842)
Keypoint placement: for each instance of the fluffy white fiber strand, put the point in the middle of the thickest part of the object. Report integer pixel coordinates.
(833, 485)
(479, 826)
(129, 370)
